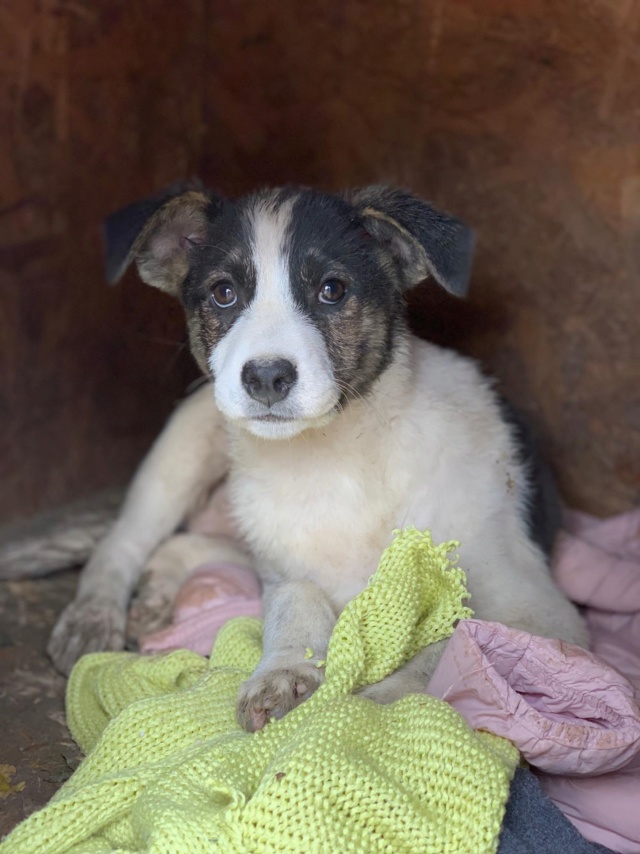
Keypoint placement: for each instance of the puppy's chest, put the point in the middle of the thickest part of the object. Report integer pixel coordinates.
(322, 516)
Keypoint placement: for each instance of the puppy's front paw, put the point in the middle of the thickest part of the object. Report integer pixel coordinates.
(89, 625)
(273, 693)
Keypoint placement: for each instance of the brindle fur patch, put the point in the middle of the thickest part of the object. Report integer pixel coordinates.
(163, 247)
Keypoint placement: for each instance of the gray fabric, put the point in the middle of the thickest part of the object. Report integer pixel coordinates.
(533, 824)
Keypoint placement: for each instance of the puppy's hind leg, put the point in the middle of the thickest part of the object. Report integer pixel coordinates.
(165, 573)
(189, 457)
(411, 678)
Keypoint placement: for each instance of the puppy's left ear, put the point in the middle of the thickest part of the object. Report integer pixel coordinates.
(423, 241)
(158, 233)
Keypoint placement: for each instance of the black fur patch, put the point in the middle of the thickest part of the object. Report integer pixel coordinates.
(544, 508)
(225, 254)
(326, 240)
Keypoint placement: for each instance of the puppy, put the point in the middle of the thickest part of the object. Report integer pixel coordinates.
(332, 424)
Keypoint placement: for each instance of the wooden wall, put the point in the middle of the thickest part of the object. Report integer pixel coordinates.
(524, 118)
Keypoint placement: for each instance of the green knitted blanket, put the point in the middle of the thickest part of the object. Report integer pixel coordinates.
(169, 770)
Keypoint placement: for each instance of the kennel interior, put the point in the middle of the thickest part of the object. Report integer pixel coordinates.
(523, 119)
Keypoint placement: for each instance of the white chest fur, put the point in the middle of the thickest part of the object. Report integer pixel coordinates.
(320, 508)
(324, 506)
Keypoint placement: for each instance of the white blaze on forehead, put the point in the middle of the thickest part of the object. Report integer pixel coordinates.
(270, 257)
(272, 326)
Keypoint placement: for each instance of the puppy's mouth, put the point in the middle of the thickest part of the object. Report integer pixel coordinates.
(270, 418)
(268, 425)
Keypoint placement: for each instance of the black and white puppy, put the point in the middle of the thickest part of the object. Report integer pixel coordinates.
(333, 424)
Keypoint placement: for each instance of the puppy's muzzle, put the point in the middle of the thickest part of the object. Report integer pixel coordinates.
(269, 381)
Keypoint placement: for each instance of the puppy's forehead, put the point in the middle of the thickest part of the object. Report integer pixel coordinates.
(270, 234)
(321, 221)
(297, 223)
(276, 234)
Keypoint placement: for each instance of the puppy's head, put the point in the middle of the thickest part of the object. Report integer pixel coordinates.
(294, 298)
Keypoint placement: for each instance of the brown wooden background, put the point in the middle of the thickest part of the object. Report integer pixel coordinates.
(524, 118)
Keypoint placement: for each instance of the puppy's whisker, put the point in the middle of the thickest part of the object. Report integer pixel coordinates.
(345, 386)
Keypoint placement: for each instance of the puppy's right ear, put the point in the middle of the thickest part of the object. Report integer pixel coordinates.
(159, 233)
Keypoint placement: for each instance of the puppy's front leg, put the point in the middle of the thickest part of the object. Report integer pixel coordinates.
(297, 616)
(189, 457)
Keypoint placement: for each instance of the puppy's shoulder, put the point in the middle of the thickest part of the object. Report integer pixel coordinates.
(445, 379)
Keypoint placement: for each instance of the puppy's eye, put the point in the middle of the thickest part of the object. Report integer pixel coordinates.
(223, 294)
(332, 291)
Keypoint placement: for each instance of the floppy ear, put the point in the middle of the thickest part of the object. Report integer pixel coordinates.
(158, 234)
(423, 241)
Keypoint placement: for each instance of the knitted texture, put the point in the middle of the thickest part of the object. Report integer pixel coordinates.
(169, 770)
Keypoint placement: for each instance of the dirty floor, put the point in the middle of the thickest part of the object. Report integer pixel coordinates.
(37, 753)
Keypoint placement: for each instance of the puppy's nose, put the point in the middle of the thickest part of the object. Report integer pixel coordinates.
(268, 381)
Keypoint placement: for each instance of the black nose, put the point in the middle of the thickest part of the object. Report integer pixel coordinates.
(268, 381)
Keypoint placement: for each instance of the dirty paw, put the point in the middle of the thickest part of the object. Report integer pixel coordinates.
(89, 625)
(273, 693)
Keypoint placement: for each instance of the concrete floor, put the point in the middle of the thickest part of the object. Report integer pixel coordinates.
(37, 753)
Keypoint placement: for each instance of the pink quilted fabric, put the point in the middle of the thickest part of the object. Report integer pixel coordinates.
(574, 715)
(566, 710)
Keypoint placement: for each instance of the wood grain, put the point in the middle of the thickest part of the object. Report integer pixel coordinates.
(522, 118)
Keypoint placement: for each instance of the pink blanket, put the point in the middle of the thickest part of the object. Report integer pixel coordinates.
(211, 595)
(598, 565)
(574, 715)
